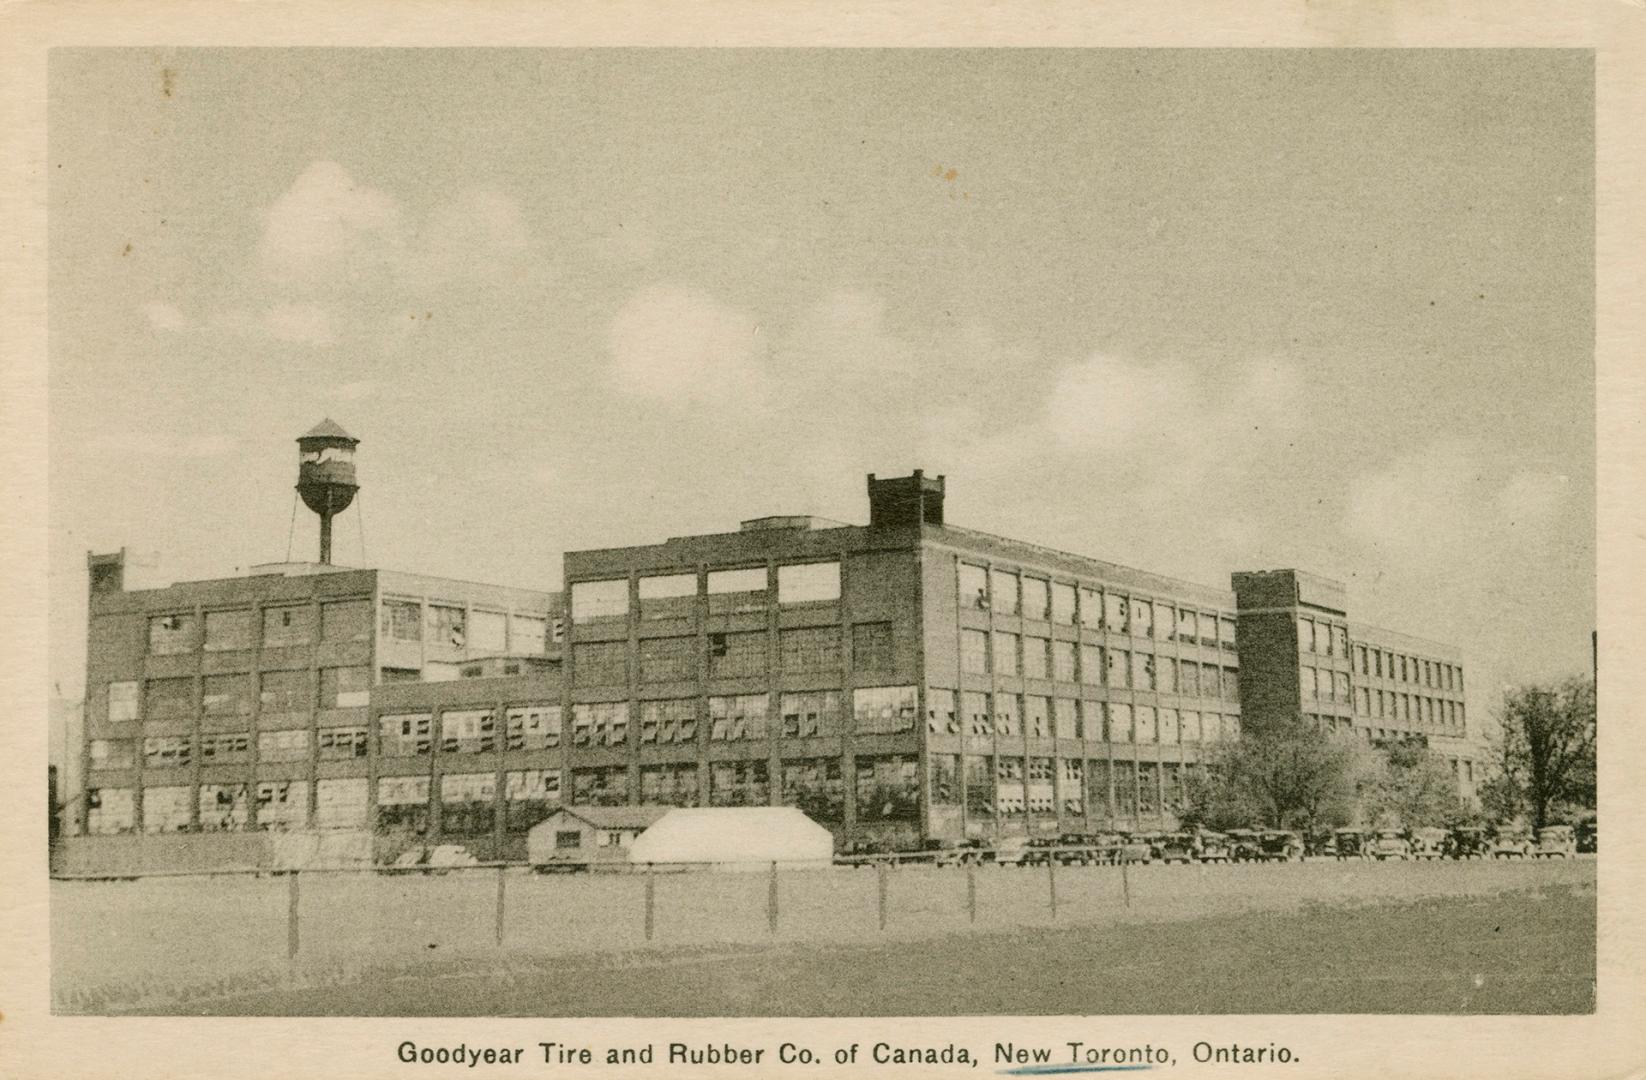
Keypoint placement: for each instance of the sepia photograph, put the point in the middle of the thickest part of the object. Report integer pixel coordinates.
(855, 532)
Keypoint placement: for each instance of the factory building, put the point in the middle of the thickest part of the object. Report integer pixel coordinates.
(902, 682)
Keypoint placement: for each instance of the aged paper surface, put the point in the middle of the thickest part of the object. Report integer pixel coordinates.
(372, 173)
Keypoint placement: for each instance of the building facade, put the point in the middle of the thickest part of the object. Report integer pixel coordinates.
(903, 682)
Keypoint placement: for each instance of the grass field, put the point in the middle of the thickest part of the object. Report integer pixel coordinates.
(1315, 937)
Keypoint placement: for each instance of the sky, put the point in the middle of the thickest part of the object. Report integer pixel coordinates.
(1194, 311)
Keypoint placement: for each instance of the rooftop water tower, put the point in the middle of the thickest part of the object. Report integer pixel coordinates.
(325, 475)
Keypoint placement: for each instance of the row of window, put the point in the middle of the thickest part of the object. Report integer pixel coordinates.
(726, 592)
(1008, 592)
(1005, 653)
(985, 716)
(734, 655)
(231, 695)
(1413, 709)
(351, 620)
(1383, 664)
(1013, 787)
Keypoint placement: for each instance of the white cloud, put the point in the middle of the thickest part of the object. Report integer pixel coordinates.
(682, 345)
(164, 316)
(303, 324)
(325, 223)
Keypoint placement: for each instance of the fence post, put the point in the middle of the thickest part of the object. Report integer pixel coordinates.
(771, 900)
(880, 870)
(651, 900)
(971, 891)
(1125, 883)
(291, 917)
(1051, 885)
(500, 880)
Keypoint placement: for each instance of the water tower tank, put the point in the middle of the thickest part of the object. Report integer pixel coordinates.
(325, 475)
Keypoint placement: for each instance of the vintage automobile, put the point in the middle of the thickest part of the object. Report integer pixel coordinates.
(1588, 836)
(1279, 845)
(1244, 845)
(1134, 848)
(1040, 851)
(1390, 844)
(432, 860)
(1012, 851)
(1429, 843)
(1468, 842)
(1076, 849)
(1352, 844)
(1556, 842)
(1511, 843)
(1177, 847)
(1214, 847)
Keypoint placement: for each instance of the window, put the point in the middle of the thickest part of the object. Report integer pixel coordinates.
(282, 804)
(943, 779)
(1208, 630)
(167, 751)
(604, 723)
(1099, 797)
(1120, 668)
(167, 809)
(979, 719)
(404, 734)
(488, 633)
(1148, 787)
(227, 695)
(1187, 622)
(1091, 608)
(600, 663)
(1146, 723)
(1008, 788)
(737, 656)
(401, 620)
(225, 747)
(530, 796)
(942, 715)
(1042, 798)
(283, 745)
(1231, 684)
(1189, 728)
(668, 596)
(1006, 714)
(974, 587)
(403, 803)
(110, 811)
(469, 731)
(468, 803)
(168, 697)
(1119, 727)
(285, 691)
(734, 592)
(812, 648)
(1037, 716)
(888, 787)
(815, 786)
(1363, 702)
(1004, 594)
(1065, 718)
(1142, 619)
(594, 600)
(528, 635)
(113, 753)
(817, 714)
(171, 634)
(1036, 657)
(733, 718)
(739, 783)
(1170, 729)
(979, 781)
(223, 807)
(346, 620)
(1063, 661)
(1005, 653)
(122, 702)
(1377, 662)
(808, 583)
(345, 687)
(1166, 673)
(1091, 665)
(1071, 786)
(1340, 641)
(568, 840)
(1227, 626)
(1116, 613)
(342, 803)
(1063, 609)
(1305, 635)
(872, 647)
(1306, 682)
(290, 625)
(1125, 788)
(974, 651)
(532, 727)
(341, 743)
(1340, 687)
(668, 785)
(670, 659)
(673, 720)
(1037, 600)
(226, 630)
(1143, 673)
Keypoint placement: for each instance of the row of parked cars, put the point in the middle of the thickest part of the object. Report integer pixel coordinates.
(1462, 842)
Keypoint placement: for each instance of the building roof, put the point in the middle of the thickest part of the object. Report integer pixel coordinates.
(618, 817)
(328, 429)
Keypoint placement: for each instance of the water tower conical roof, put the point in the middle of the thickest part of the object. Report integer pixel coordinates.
(328, 429)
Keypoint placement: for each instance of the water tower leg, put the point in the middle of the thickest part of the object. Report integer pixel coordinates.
(325, 539)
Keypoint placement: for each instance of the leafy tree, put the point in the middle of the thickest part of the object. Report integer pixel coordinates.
(1545, 749)
(1288, 773)
(1412, 786)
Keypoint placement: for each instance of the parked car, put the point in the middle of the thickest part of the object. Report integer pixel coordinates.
(1352, 844)
(1012, 851)
(1588, 837)
(1556, 842)
(1469, 842)
(1214, 847)
(432, 860)
(1429, 843)
(1075, 849)
(1279, 845)
(1512, 843)
(1040, 851)
(1390, 844)
(1177, 847)
(1244, 845)
(1134, 848)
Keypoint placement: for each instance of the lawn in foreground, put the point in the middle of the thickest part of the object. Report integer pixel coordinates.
(1518, 952)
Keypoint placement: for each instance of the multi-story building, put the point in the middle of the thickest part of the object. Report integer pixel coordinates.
(901, 681)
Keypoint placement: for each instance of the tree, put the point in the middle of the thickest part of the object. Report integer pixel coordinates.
(1545, 748)
(1290, 773)
(1412, 785)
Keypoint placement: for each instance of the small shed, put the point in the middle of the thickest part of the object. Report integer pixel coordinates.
(733, 837)
(588, 834)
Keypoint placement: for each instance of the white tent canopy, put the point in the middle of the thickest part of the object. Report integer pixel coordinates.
(748, 836)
